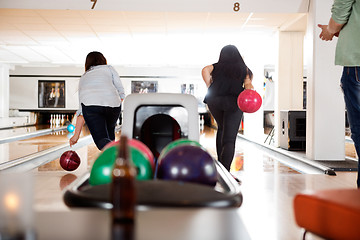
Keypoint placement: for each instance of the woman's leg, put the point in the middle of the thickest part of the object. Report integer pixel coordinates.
(218, 115)
(231, 124)
(228, 126)
(112, 116)
(96, 121)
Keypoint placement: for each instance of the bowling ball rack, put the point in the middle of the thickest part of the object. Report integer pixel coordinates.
(160, 193)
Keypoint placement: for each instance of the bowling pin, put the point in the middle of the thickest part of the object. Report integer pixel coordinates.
(57, 120)
(51, 121)
(54, 120)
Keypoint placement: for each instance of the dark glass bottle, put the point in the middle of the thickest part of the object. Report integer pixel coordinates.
(123, 193)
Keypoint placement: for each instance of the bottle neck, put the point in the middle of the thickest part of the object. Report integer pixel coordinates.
(121, 161)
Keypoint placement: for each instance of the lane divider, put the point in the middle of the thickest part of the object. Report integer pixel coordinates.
(31, 135)
(298, 163)
(35, 160)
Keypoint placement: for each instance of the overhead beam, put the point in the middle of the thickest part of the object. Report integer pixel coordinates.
(256, 6)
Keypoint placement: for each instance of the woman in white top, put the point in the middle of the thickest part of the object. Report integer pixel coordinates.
(100, 96)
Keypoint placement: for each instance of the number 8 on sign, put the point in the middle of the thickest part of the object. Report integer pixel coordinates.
(236, 7)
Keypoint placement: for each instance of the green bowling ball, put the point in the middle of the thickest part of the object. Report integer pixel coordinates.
(142, 164)
(101, 171)
(102, 167)
(178, 142)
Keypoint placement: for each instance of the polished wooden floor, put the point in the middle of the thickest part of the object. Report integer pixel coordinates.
(268, 186)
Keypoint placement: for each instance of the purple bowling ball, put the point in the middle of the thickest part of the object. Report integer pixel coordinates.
(189, 164)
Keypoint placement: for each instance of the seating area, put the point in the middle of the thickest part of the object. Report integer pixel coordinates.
(331, 214)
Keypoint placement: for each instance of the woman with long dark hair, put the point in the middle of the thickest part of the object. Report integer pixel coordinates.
(100, 96)
(225, 80)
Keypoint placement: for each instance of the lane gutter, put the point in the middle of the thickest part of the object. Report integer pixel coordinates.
(271, 150)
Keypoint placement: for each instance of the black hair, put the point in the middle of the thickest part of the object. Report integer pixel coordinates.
(231, 64)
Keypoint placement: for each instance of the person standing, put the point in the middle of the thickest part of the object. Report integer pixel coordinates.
(345, 24)
(101, 93)
(225, 80)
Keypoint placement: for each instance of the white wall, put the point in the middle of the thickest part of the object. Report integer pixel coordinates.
(24, 93)
(4, 90)
(289, 84)
(325, 115)
(24, 82)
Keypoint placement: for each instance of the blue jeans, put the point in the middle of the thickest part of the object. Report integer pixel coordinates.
(101, 122)
(350, 83)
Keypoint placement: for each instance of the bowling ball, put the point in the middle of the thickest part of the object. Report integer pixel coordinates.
(178, 142)
(69, 160)
(70, 128)
(188, 164)
(144, 149)
(101, 171)
(110, 144)
(138, 145)
(142, 164)
(249, 101)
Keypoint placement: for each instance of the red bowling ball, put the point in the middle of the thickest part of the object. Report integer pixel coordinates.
(110, 144)
(188, 164)
(144, 149)
(69, 160)
(249, 101)
(138, 145)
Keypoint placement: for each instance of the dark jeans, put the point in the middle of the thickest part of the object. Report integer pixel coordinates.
(228, 117)
(350, 83)
(101, 122)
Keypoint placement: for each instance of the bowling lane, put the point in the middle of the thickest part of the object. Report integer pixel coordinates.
(16, 133)
(26, 147)
(50, 180)
(20, 148)
(244, 151)
(5, 132)
(29, 153)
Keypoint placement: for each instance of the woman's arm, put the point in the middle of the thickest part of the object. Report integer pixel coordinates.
(248, 80)
(248, 83)
(80, 121)
(117, 83)
(206, 74)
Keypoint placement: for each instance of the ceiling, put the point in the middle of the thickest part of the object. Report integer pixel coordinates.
(48, 37)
